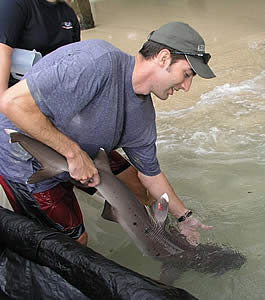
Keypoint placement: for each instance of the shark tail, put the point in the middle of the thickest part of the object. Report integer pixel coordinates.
(52, 163)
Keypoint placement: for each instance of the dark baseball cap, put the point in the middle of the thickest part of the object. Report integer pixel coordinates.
(186, 41)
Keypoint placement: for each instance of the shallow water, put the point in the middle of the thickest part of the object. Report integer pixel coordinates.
(214, 156)
(211, 141)
(217, 169)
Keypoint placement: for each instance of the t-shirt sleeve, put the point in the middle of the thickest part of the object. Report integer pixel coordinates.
(63, 89)
(139, 136)
(144, 159)
(13, 14)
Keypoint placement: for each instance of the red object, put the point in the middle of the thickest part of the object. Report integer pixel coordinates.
(60, 204)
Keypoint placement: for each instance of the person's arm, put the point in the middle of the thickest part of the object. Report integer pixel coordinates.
(5, 58)
(17, 104)
(13, 15)
(157, 186)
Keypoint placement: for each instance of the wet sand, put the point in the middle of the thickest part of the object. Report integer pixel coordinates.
(234, 32)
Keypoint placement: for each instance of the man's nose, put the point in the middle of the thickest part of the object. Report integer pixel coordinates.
(186, 84)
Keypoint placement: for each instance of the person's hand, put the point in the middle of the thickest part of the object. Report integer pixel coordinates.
(189, 228)
(81, 168)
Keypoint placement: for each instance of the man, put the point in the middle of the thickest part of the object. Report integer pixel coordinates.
(91, 94)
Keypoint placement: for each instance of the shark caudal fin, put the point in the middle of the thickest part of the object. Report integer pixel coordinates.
(52, 163)
(159, 210)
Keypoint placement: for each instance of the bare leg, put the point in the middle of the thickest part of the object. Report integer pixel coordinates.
(83, 239)
(130, 178)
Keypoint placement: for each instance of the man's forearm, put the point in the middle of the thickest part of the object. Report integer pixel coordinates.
(157, 186)
(5, 58)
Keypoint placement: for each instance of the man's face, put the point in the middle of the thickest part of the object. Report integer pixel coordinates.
(170, 78)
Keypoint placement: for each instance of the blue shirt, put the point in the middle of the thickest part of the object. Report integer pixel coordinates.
(85, 89)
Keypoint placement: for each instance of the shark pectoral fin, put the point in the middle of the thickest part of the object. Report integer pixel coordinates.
(108, 213)
(159, 210)
(40, 175)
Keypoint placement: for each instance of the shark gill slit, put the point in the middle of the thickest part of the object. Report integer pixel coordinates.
(157, 234)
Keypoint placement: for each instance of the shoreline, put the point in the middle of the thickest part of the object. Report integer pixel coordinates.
(235, 40)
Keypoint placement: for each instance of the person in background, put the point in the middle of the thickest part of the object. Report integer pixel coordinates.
(94, 88)
(43, 25)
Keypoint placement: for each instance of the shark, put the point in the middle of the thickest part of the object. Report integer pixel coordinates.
(148, 227)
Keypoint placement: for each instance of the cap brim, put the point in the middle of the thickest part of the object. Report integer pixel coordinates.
(199, 67)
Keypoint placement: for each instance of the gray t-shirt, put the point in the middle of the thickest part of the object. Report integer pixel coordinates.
(85, 89)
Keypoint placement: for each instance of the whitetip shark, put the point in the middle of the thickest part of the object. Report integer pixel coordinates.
(146, 227)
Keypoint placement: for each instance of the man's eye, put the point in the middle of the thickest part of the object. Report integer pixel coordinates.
(188, 75)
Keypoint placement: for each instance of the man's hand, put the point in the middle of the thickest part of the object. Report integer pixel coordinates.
(82, 168)
(189, 228)
(157, 186)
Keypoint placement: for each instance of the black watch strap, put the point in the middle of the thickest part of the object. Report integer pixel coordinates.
(185, 216)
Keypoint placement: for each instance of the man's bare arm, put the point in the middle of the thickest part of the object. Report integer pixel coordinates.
(20, 108)
(5, 58)
(157, 186)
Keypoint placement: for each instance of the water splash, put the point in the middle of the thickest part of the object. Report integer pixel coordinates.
(227, 121)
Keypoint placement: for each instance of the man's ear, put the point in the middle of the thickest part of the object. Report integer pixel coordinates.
(164, 58)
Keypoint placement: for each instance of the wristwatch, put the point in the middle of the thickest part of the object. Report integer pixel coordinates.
(185, 216)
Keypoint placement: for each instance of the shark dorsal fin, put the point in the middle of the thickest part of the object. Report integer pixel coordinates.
(159, 210)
